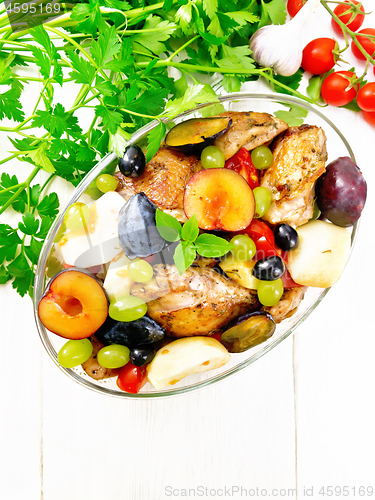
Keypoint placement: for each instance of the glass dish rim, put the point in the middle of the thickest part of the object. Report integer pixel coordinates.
(108, 159)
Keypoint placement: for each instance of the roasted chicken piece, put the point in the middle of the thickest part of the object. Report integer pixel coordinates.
(248, 130)
(299, 159)
(199, 302)
(164, 179)
(288, 303)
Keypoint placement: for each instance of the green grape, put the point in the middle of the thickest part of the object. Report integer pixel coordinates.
(262, 197)
(244, 247)
(93, 191)
(270, 292)
(128, 308)
(212, 157)
(140, 271)
(106, 182)
(77, 217)
(74, 353)
(262, 157)
(113, 356)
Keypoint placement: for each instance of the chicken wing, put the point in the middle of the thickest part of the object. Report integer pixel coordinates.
(299, 159)
(248, 130)
(164, 179)
(288, 304)
(199, 302)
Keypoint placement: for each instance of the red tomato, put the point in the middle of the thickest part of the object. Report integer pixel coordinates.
(337, 90)
(263, 238)
(350, 14)
(132, 378)
(295, 6)
(369, 117)
(366, 97)
(318, 57)
(241, 162)
(287, 280)
(367, 43)
(216, 336)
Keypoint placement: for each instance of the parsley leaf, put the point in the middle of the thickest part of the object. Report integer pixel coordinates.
(154, 139)
(294, 117)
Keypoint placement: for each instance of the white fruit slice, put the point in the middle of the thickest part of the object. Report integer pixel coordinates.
(321, 255)
(117, 282)
(183, 357)
(100, 243)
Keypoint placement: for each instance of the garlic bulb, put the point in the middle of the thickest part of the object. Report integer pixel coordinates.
(278, 46)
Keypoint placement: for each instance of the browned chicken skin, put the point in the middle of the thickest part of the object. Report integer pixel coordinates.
(299, 159)
(288, 303)
(164, 179)
(248, 130)
(199, 302)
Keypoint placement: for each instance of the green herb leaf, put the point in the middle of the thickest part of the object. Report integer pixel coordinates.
(184, 256)
(29, 224)
(294, 117)
(154, 139)
(209, 245)
(169, 228)
(190, 229)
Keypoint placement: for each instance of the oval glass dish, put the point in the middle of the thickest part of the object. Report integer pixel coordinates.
(337, 146)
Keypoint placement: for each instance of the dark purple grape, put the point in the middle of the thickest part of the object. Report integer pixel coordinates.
(286, 237)
(142, 355)
(341, 192)
(269, 269)
(133, 162)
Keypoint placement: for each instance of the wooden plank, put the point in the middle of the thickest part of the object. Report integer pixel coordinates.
(237, 433)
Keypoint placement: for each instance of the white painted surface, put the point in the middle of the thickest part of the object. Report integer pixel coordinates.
(302, 415)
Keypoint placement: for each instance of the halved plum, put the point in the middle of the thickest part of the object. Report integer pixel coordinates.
(192, 136)
(220, 198)
(248, 331)
(74, 304)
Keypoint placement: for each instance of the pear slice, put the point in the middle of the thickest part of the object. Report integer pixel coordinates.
(183, 357)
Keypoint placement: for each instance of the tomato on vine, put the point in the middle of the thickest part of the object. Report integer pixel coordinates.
(366, 97)
(295, 6)
(320, 55)
(352, 14)
(367, 43)
(339, 88)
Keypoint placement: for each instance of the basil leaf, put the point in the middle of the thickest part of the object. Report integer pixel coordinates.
(184, 256)
(190, 229)
(209, 245)
(169, 228)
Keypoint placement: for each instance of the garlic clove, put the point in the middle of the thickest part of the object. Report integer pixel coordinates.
(278, 46)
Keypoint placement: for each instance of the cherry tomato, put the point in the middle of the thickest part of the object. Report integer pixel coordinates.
(350, 14)
(132, 378)
(241, 162)
(367, 43)
(263, 238)
(318, 57)
(366, 97)
(295, 6)
(337, 90)
(287, 280)
(369, 117)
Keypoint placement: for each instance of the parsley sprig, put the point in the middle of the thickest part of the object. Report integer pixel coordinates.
(191, 242)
